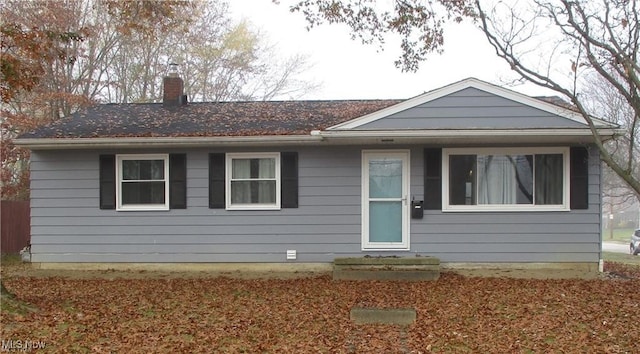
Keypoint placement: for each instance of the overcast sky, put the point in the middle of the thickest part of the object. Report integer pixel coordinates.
(348, 69)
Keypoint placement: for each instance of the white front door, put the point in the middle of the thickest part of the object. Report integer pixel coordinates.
(385, 190)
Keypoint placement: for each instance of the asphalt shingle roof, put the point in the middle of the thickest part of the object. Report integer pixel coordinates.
(207, 119)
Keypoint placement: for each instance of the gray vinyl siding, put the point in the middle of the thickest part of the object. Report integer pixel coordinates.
(68, 226)
(572, 236)
(471, 108)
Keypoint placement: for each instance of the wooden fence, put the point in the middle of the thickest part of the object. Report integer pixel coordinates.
(15, 225)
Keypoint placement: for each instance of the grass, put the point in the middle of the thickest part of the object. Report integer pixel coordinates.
(621, 258)
(7, 259)
(8, 302)
(618, 235)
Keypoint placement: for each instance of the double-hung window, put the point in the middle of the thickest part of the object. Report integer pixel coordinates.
(142, 182)
(253, 181)
(503, 179)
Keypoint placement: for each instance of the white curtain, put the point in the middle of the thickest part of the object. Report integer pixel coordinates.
(497, 180)
(267, 189)
(256, 188)
(241, 190)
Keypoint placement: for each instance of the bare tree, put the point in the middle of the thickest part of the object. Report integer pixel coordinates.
(603, 100)
(555, 44)
(120, 60)
(219, 59)
(279, 79)
(58, 56)
(559, 44)
(234, 61)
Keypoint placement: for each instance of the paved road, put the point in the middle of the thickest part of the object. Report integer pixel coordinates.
(615, 247)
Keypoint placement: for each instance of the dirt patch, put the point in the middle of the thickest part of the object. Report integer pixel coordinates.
(27, 270)
(15, 268)
(529, 273)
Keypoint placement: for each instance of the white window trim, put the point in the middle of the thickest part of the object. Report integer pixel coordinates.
(251, 155)
(446, 207)
(141, 207)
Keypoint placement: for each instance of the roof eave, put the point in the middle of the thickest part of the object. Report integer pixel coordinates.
(337, 137)
(466, 136)
(165, 142)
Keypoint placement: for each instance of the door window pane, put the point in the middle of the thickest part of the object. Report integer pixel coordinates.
(385, 221)
(385, 178)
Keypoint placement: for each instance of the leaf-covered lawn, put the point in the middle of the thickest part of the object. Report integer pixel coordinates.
(454, 314)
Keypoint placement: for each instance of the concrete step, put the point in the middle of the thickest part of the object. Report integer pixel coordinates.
(386, 268)
(404, 316)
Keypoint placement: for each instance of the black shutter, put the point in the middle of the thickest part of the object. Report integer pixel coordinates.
(579, 181)
(177, 181)
(433, 179)
(107, 181)
(216, 181)
(289, 177)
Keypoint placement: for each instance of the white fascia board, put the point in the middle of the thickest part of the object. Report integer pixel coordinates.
(461, 85)
(464, 137)
(165, 142)
(460, 133)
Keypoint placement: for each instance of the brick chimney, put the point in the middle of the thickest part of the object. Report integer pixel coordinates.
(173, 88)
